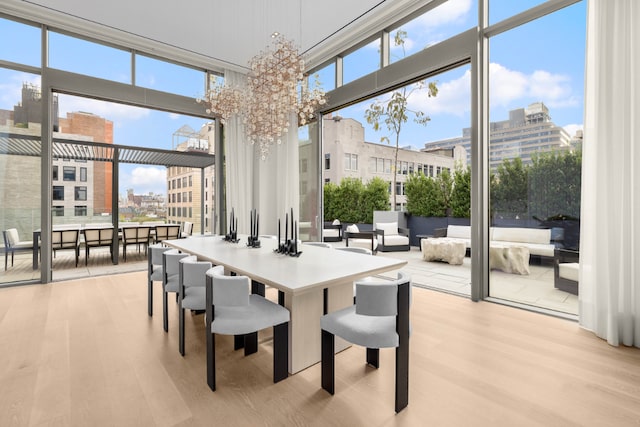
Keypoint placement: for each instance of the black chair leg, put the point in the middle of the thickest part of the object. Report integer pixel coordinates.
(181, 330)
(211, 361)
(165, 312)
(150, 298)
(373, 357)
(238, 342)
(328, 361)
(251, 343)
(280, 352)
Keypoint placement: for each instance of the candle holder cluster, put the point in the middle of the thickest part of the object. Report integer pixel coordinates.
(252, 240)
(232, 235)
(288, 246)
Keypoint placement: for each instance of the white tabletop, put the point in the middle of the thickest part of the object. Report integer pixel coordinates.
(315, 267)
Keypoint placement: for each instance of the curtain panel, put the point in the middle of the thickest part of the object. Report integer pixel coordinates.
(610, 236)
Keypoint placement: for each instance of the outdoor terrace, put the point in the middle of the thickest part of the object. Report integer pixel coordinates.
(527, 291)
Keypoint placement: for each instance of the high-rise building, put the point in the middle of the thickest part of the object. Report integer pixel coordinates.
(526, 132)
(184, 185)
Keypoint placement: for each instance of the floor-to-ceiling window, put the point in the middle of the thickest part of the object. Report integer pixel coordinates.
(20, 149)
(536, 80)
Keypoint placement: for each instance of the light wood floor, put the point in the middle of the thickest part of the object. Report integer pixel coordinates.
(85, 353)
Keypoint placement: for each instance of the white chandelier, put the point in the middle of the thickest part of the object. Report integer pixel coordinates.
(274, 92)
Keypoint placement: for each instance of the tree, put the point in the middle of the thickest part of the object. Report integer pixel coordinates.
(354, 202)
(509, 190)
(461, 193)
(394, 112)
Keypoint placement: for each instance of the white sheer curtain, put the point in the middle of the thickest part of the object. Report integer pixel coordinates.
(610, 235)
(278, 181)
(239, 164)
(270, 186)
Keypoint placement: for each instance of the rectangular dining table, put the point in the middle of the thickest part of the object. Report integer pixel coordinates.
(302, 280)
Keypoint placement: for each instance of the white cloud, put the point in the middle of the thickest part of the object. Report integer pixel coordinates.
(573, 128)
(454, 97)
(507, 86)
(145, 179)
(109, 110)
(447, 13)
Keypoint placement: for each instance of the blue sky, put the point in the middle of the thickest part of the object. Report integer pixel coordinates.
(540, 61)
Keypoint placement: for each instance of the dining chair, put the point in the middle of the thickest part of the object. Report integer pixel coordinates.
(378, 319)
(12, 244)
(232, 310)
(170, 280)
(135, 236)
(187, 229)
(192, 293)
(95, 238)
(319, 244)
(154, 271)
(66, 239)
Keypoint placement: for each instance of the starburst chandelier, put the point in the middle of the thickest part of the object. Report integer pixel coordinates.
(274, 92)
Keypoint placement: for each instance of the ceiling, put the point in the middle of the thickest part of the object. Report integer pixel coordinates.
(221, 34)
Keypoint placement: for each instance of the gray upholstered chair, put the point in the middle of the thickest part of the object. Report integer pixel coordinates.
(170, 280)
(232, 310)
(319, 244)
(391, 237)
(154, 271)
(192, 293)
(378, 319)
(12, 244)
(355, 249)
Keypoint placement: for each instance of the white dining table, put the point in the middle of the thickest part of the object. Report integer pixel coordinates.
(302, 280)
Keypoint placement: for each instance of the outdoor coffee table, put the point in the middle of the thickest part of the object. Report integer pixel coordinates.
(443, 249)
(510, 259)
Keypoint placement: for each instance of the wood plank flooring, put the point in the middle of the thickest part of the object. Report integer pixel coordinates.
(85, 353)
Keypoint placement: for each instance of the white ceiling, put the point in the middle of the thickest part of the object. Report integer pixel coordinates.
(224, 34)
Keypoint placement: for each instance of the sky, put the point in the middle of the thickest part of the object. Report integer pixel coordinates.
(540, 61)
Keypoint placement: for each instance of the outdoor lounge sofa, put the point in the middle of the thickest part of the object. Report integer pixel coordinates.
(360, 239)
(391, 237)
(537, 240)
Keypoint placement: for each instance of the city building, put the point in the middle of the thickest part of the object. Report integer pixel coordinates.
(347, 155)
(184, 184)
(528, 131)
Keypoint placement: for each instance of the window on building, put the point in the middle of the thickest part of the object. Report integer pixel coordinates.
(69, 173)
(179, 197)
(184, 181)
(80, 211)
(173, 184)
(190, 212)
(184, 197)
(191, 197)
(80, 193)
(58, 192)
(387, 165)
(350, 162)
(57, 211)
(411, 164)
(327, 161)
(173, 211)
(430, 170)
(303, 165)
(55, 173)
(179, 183)
(190, 180)
(83, 174)
(438, 170)
(380, 165)
(399, 188)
